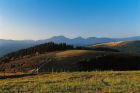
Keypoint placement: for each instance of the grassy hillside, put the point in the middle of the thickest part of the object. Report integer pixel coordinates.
(74, 60)
(123, 46)
(74, 82)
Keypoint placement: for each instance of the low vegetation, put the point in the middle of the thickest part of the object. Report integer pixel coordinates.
(74, 82)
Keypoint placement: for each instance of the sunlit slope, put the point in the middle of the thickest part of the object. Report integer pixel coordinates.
(123, 46)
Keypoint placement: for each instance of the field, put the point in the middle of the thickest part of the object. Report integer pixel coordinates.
(75, 82)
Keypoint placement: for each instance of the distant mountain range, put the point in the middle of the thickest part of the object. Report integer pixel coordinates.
(7, 46)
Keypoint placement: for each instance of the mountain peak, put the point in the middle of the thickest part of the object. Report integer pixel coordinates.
(79, 37)
(59, 37)
(7, 46)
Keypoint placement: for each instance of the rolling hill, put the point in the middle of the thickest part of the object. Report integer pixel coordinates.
(123, 46)
(7, 46)
(62, 57)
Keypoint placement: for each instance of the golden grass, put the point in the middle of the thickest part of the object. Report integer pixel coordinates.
(70, 53)
(10, 74)
(113, 44)
(75, 82)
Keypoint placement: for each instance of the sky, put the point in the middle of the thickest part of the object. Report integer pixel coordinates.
(42, 19)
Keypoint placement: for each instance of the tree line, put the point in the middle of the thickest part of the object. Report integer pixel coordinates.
(35, 50)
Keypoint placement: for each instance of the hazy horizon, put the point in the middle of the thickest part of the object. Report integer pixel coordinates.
(69, 37)
(42, 19)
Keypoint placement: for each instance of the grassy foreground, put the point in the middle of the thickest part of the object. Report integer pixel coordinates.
(75, 82)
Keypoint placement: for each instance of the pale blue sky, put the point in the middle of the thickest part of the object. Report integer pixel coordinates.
(41, 19)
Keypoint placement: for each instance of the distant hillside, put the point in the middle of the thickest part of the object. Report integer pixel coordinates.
(7, 46)
(35, 50)
(123, 46)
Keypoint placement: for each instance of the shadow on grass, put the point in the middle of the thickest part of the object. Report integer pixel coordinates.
(17, 76)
